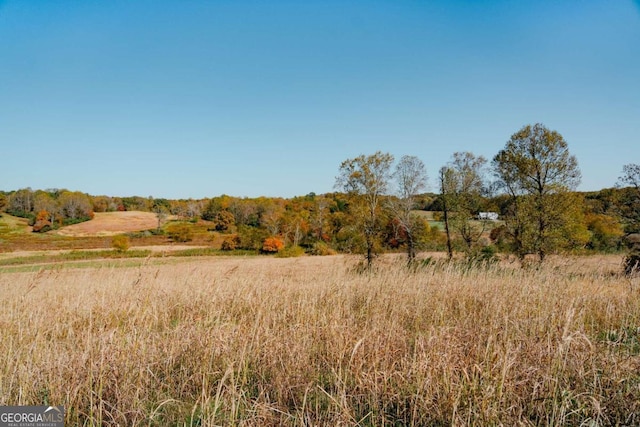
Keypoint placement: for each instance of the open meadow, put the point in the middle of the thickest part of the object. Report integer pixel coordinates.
(309, 341)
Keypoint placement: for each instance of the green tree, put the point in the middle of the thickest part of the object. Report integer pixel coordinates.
(224, 219)
(605, 231)
(211, 209)
(366, 179)
(135, 203)
(538, 173)
(411, 179)
(251, 238)
(462, 185)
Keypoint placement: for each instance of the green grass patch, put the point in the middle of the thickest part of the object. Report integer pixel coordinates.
(30, 268)
(96, 263)
(210, 252)
(13, 225)
(74, 256)
(290, 252)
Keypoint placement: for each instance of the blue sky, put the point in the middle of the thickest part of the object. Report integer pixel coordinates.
(191, 98)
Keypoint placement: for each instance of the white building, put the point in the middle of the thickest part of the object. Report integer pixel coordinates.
(491, 216)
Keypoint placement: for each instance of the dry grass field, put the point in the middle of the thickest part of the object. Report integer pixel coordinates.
(111, 223)
(307, 341)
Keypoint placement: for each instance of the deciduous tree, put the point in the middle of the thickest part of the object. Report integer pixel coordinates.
(411, 179)
(629, 205)
(224, 219)
(630, 176)
(21, 202)
(75, 205)
(605, 230)
(538, 172)
(43, 202)
(366, 179)
(462, 185)
(272, 245)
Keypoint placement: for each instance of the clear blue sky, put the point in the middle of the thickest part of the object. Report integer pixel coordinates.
(192, 98)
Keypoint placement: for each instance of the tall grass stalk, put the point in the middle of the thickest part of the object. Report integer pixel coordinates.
(306, 341)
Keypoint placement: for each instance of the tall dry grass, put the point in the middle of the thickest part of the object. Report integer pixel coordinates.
(308, 342)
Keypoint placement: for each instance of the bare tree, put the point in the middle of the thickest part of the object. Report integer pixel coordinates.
(21, 202)
(630, 176)
(161, 215)
(194, 208)
(318, 216)
(75, 205)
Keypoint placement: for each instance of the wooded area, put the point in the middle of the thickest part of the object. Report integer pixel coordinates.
(380, 206)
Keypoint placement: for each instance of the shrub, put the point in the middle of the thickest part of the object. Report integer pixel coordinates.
(120, 243)
(632, 260)
(230, 243)
(631, 264)
(42, 223)
(488, 254)
(180, 232)
(321, 249)
(72, 221)
(272, 245)
(290, 252)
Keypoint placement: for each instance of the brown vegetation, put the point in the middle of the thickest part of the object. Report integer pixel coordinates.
(307, 341)
(111, 223)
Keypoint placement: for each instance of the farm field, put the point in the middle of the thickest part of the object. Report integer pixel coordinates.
(16, 236)
(308, 341)
(110, 224)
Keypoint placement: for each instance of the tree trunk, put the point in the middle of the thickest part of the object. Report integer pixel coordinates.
(411, 249)
(446, 228)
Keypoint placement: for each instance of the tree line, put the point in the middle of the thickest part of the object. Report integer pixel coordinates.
(531, 183)
(381, 205)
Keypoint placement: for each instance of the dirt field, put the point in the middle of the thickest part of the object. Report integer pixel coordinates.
(111, 223)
